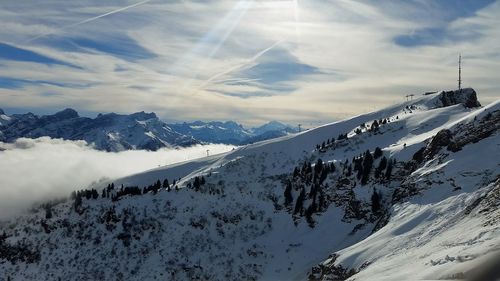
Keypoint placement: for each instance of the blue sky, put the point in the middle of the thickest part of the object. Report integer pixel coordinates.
(250, 61)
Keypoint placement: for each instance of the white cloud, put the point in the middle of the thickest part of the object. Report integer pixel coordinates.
(33, 170)
(349, 42)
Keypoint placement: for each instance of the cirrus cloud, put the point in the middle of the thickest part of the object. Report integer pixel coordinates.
(295, 61)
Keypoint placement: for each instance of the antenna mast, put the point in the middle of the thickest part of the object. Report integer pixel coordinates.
(460, 72)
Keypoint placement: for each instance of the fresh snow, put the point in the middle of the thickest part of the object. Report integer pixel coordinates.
(236, 227)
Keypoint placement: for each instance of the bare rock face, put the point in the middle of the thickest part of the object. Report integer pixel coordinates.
(441, 139)
(467, 97)
(331, 271)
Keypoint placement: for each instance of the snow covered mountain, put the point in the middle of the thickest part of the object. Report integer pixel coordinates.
(411, 191)
(115, 132)
(110, 132)
(230, 132)
(273, 126)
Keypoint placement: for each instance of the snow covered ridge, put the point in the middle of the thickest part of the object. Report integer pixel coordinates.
(109, 132)
(231, 132)
(406, 192)
(115, 132)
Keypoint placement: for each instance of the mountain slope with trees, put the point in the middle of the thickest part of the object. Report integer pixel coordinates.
(369, 197)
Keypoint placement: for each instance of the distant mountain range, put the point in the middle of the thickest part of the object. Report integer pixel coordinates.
(230, 132)
(116, 132)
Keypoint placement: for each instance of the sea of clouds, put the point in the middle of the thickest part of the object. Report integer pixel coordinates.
(37, 170)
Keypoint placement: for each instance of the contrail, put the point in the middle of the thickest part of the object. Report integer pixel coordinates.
(87, 20)
(237, 80)
(241, 65)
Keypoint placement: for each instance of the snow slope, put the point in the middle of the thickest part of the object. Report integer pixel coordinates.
(445, 230)
(237, 224)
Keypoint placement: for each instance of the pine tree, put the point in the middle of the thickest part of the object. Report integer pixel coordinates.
(375, 201)
(332, 167)
(73, 195)
(322, 200)
(78, 201)
(349, 171)
(375, 125)
(88, 194)
(196, 184)
(388, 171)
(165, 184)
(367, 167)
(318, 167)
(378, 152)
(381, 166)
(299, 204)
(48, 211)
(288, 193)
(324, 174)
(95, 194)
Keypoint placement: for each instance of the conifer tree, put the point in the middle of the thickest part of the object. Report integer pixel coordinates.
(367, 166)
(48, 211)
(299, 204)
(288, 193)
(378, 152)
(375, 201)
(381, 166)
(196, 184)
(388, 171)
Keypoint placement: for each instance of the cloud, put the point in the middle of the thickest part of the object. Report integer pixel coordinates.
(160, 54)
(34, 170)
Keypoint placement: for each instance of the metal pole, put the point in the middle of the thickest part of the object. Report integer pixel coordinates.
(460, 72)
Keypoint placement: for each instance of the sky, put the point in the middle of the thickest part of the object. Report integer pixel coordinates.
(296, 61)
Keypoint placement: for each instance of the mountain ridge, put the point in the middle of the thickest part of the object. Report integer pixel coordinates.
(230, 132)
(139, 130)
(289, 208)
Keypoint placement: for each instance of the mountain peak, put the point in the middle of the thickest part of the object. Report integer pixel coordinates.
(143, 115)
(67, 113)
(1, 112)
(274, 124)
